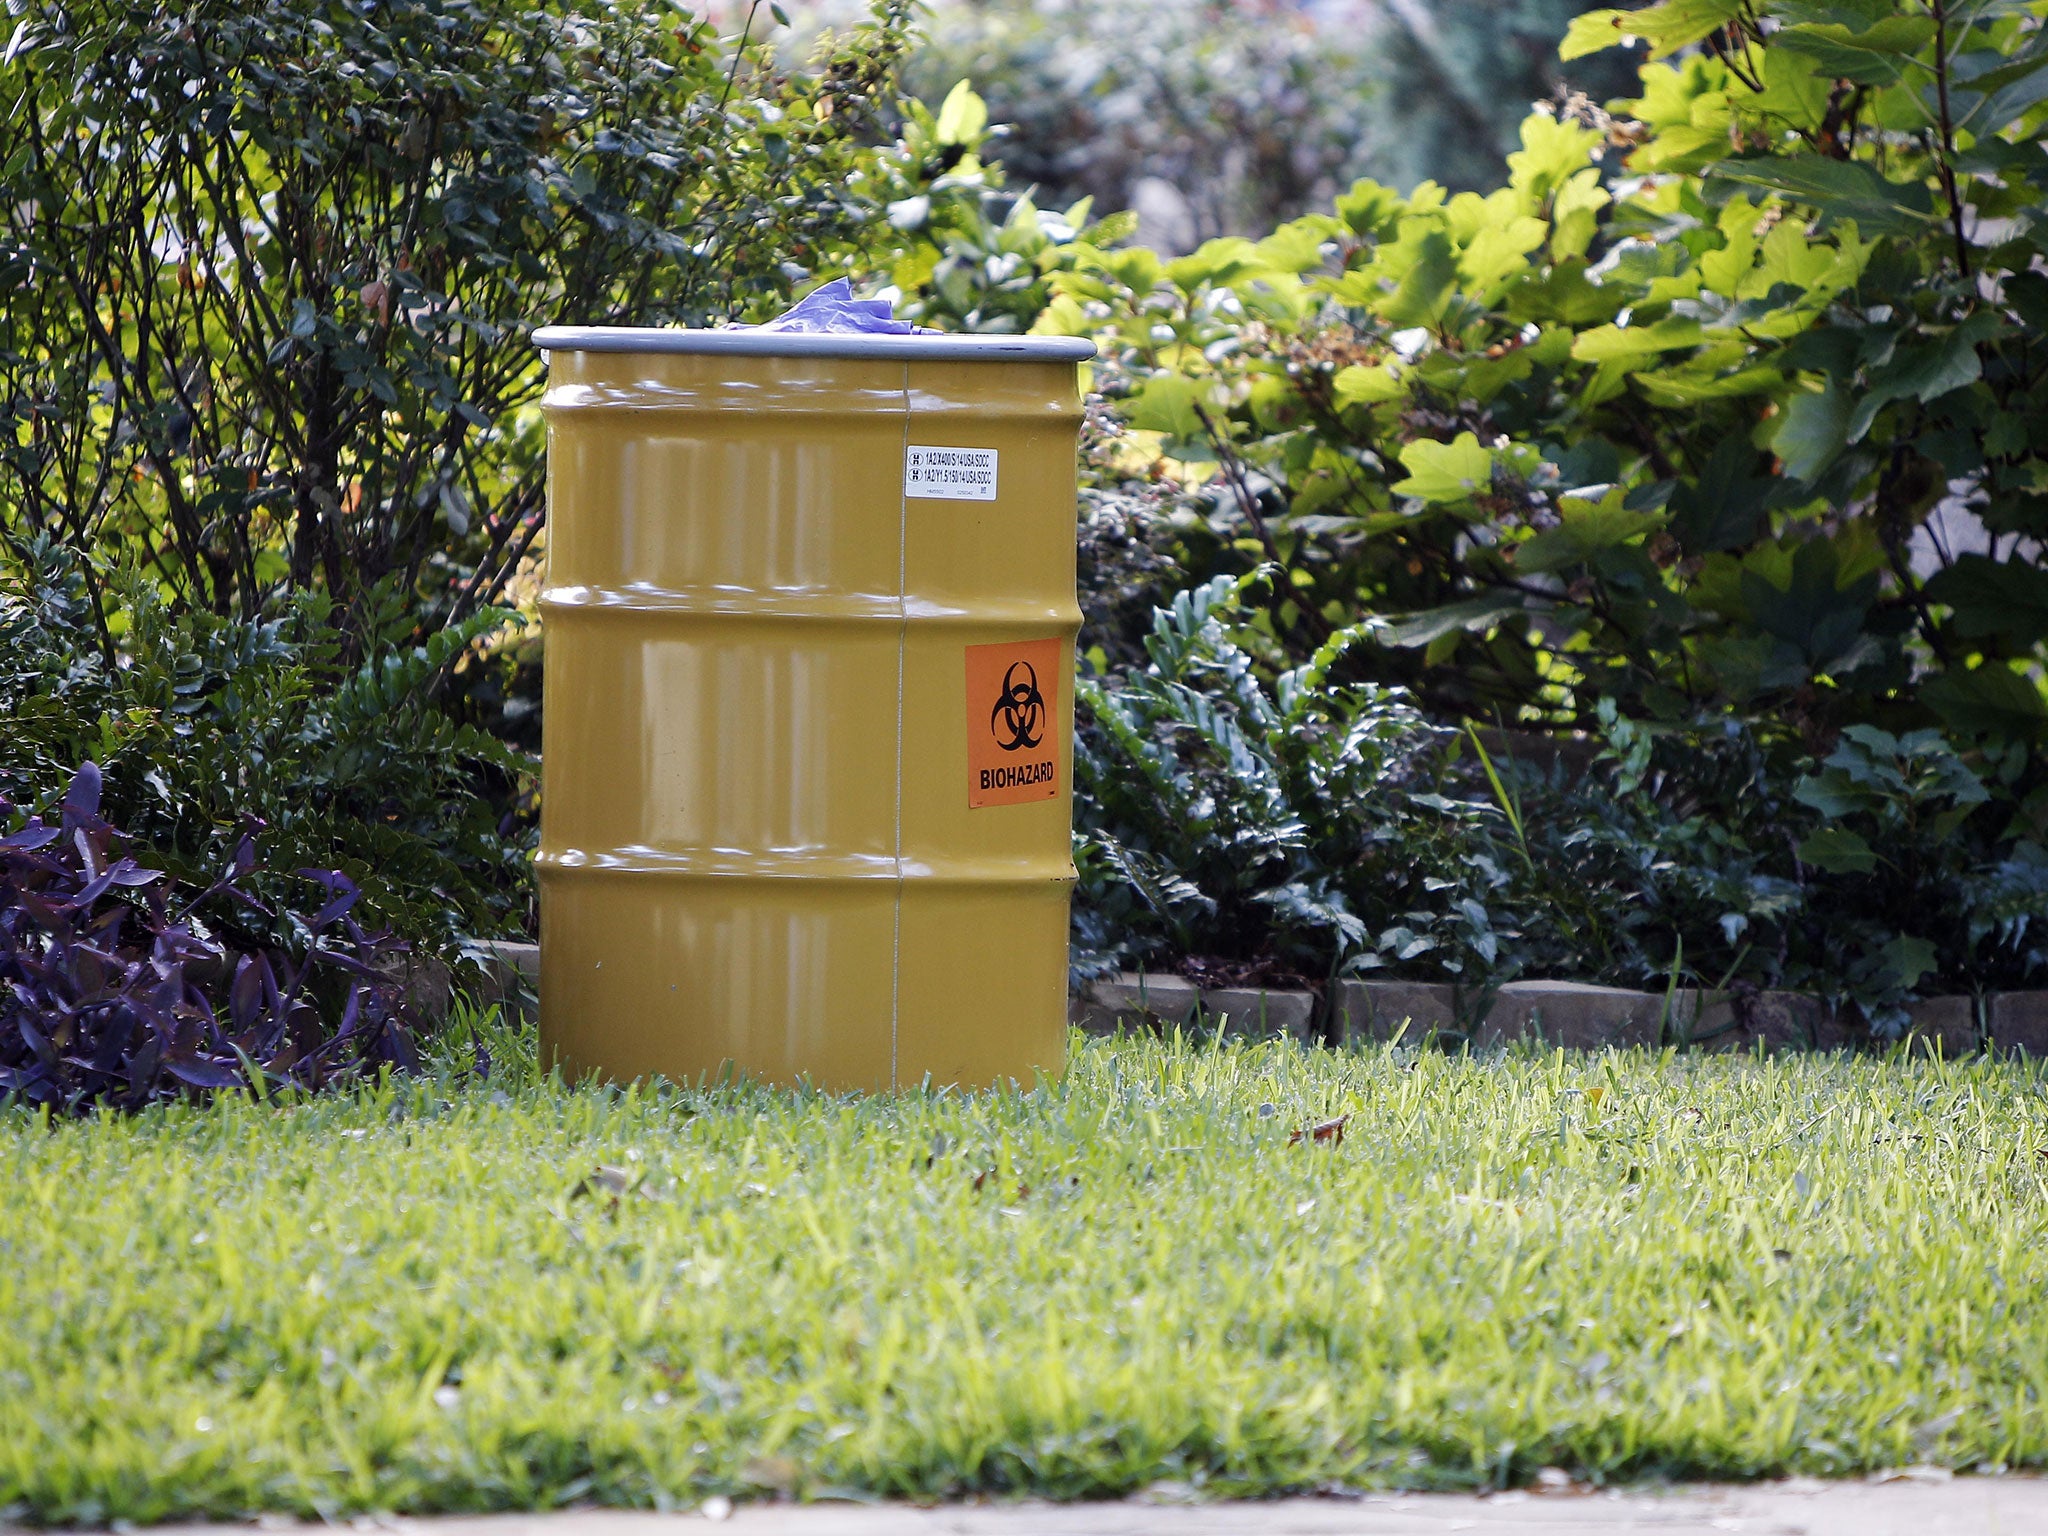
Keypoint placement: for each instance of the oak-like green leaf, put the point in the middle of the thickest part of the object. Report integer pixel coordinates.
(1167, 404)
(1445, 472)
(1360, 385)
(1812, 431)
(1668, 27)
(1839, 190)
(1838, 851)
(962, 117)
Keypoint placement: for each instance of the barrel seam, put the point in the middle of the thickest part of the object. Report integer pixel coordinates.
(902, 647)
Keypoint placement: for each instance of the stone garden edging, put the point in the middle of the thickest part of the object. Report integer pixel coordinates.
(498, 972)
(511, 975)
(1574, 1015)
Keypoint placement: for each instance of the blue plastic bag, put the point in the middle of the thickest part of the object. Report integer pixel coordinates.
(833, 310)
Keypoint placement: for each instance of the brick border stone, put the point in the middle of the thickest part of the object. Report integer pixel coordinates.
(2019, 1022)
(511, 976)
(1779, 1021)
(1569, 1014)
(428, 983)
(1385, 1010)
(1134, 1000)
(1260, 1011)
(1575, 1016)
(1572, 1015)
(1140, 1001)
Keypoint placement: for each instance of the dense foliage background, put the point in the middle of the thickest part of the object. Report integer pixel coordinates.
(123, 987)
(1714, 443)
(1215, 117)
(1629, 570)
(269, 467)
(273, 268)
(271, 477)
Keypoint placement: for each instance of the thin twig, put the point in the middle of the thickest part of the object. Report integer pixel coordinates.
(1319, 628)
(1945, 163)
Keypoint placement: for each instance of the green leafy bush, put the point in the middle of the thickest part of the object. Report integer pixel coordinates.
(204, 725)
(272, 269)
(1864, 877)
(973, 253)
(1674, 435)
(1297, 823)
(1301, 826)
(1570, 441)
(268, 457)
(1225, 116)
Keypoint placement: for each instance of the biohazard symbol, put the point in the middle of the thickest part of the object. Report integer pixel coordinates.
(1016, 757)
(1018, 719)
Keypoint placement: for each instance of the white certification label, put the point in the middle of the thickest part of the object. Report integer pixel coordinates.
(949, 474)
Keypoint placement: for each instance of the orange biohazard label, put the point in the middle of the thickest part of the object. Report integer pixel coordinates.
(1013, 722)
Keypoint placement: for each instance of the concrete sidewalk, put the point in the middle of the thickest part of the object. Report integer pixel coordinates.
(1923, 1505)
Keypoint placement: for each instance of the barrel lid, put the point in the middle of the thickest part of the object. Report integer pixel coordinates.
(741, 341)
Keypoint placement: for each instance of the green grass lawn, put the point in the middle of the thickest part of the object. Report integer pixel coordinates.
(430, 1297)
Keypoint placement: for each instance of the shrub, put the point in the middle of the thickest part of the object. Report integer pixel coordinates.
(1684, 451)
(1579, 446)
(273, 269)
(1310, 827)
(266, 385)
(1249, 113)
(110, 994)
(202, 724)
(972, 254)
(1298, 823)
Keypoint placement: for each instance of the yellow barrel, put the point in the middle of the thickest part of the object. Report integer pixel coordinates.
(806, 772)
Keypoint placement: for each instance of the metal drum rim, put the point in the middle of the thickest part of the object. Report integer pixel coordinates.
(944, 347)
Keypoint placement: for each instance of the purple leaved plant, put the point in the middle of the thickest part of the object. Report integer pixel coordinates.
(112, 992)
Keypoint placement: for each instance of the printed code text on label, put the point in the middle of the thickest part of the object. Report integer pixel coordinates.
(949, 474)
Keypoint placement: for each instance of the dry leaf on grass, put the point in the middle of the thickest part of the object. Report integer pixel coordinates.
(606, 1179)
(778, 1474)
(1330, 1131)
